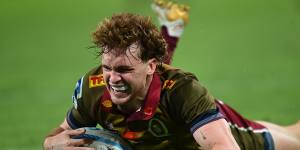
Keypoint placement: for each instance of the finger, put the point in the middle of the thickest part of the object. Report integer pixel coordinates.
(75, 132)
(79, 142)
(79, 148)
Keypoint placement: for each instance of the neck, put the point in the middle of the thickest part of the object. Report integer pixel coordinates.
(131, 107)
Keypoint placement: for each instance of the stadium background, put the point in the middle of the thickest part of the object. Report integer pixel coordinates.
(245, 52)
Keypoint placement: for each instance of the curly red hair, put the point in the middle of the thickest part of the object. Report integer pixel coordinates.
(124, 29)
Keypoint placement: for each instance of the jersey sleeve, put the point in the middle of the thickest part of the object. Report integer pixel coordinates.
(193, 104)
(78, 116)
(84, 112)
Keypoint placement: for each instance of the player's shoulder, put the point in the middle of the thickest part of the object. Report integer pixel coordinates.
(94, 78)
(89, 87)
(181, 86)
(181, 91)
(173, 78)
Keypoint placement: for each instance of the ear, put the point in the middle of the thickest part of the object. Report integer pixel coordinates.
(152, 63)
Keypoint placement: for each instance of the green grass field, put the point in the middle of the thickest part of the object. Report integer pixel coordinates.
(246, 53)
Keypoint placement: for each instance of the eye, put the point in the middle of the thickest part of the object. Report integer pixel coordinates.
(106, 68)
(124, 70)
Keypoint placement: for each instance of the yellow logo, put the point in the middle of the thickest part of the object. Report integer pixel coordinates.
(169, 84)
(107, 103)
(96, 80)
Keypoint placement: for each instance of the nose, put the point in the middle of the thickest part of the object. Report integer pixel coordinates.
(115, 77)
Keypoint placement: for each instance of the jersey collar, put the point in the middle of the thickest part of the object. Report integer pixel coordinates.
(150, 103)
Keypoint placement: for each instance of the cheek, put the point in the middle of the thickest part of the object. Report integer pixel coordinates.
(138, 79)
(131, 79)
(105, 77)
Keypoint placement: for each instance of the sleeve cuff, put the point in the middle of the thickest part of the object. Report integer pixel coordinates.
(205, 118)
(71, 121)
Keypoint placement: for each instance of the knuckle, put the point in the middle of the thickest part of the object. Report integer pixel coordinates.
(68, 143)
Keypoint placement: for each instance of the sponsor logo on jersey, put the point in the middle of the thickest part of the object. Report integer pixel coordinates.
(148, 111)
(168, 84)
(130, 135)
(77, 92)
(107, 103)
(96, 81)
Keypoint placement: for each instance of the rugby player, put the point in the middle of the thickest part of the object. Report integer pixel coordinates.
(153, 105)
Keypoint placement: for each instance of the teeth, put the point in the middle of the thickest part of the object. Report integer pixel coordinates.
(119, 88)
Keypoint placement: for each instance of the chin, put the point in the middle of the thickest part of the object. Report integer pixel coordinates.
(119, 101)
(119, 98)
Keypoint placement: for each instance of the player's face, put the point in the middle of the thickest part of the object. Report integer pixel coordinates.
(127, 77)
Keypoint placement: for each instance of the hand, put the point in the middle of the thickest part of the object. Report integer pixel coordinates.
(64, 141)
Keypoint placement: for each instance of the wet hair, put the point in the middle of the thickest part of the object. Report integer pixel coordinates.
(122, 30)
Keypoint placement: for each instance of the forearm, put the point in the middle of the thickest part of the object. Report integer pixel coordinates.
(216, 135)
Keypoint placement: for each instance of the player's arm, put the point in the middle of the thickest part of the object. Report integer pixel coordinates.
(61, 138)
(215, 135)
(197, 107)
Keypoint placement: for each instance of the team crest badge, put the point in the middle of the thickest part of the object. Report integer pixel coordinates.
(157, 128)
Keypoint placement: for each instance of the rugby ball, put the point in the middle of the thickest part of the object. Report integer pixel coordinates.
(103, 139)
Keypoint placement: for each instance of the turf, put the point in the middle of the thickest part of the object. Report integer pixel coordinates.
(246, 53)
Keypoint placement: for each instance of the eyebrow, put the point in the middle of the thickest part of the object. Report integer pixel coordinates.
(125, 67)
(118, 67)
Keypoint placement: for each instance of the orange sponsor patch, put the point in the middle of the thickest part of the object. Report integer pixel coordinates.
(107, 103)
(133, 135)
(96, 80)
(169, 84)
